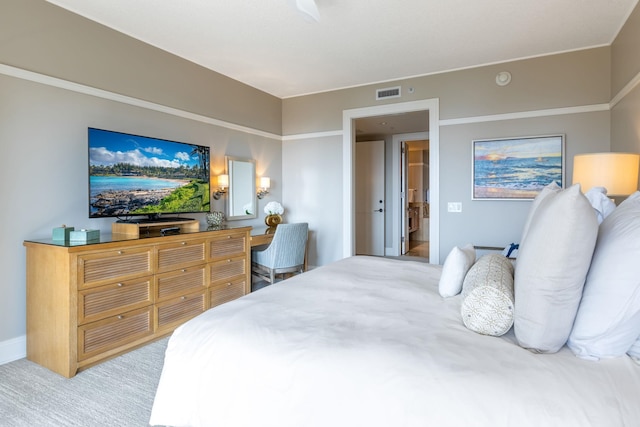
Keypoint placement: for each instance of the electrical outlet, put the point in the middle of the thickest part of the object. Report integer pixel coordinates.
(454, 207)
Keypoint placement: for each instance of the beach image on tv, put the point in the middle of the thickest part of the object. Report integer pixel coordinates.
(517, 168)
(136, 175)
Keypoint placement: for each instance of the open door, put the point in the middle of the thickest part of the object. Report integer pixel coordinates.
(404, 199)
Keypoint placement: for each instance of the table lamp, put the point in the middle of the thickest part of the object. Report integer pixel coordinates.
(617, 172)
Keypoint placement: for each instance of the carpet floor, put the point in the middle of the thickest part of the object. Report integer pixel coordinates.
(118, 392)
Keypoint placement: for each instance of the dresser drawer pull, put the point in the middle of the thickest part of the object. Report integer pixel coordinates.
(228, 284)
(121, 317)
(120, 252)
(228, 260)
(184, 270)
(120, 285)
(228, 237)
(183, 243)
(184, 298)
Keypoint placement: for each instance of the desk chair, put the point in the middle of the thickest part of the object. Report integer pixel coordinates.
(285, 253)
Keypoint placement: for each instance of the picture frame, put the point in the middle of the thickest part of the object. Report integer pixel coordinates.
(516, 168)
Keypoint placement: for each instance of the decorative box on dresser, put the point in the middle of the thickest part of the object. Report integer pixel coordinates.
(88, 302)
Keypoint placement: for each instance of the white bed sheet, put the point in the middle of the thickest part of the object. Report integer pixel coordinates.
(369, 342)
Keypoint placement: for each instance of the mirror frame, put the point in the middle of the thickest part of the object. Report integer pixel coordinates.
(234, 186)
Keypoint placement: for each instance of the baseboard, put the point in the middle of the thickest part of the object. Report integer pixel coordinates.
(13, 349)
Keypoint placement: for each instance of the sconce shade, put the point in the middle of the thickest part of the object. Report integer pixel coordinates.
(617, 172)
(265, 182)
(223, 181)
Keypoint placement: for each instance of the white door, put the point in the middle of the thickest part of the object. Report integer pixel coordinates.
(369, 198)
(404, 198)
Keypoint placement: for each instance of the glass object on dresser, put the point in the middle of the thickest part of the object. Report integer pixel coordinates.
(241, 198)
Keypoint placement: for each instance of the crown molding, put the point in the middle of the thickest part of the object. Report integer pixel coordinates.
(105, 94)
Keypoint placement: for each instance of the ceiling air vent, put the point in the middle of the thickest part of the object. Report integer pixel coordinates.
(390, 92)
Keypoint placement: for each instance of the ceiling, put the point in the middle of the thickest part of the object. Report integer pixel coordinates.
(268, 45)
(392, 124)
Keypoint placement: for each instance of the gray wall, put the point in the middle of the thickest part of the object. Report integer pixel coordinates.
(565, 80)
(498, 223)
(625, 84)
(38, 36)
(471, 107)
(44, 119)
(43, 169)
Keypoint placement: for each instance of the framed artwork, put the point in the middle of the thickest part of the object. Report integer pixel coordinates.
(516, 168)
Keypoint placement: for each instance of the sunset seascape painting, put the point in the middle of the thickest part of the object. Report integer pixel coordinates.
(516, 168)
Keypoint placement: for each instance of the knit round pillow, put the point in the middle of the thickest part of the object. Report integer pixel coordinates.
(487, 296)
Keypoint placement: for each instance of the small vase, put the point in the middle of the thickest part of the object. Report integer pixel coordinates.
(214, 219)
(272, 220)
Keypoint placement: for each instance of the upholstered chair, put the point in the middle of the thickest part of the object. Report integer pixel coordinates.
(285, 253)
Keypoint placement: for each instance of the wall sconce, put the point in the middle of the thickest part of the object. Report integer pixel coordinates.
(617, 172)
(223, 184)
(265, 184)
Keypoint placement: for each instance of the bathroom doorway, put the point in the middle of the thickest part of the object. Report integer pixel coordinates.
(428, 109)
(417, 190)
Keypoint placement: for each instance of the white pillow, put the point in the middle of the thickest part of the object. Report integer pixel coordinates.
(602, 205)
(487, 296)
(549, 189)
(608, 320)
(553, 260)
(454, 269)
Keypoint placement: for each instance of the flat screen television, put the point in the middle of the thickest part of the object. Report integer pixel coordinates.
(142, 179)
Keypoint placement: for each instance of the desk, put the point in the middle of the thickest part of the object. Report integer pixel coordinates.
(261, 236)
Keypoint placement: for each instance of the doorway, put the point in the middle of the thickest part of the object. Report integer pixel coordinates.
(416, 179)
(349, 133)
(401, 166)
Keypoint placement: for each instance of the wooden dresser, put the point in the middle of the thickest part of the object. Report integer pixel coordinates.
(90, 302)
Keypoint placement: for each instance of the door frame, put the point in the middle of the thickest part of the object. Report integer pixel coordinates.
(348, 168)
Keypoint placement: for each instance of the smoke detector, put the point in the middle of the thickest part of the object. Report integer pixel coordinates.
(503, 78)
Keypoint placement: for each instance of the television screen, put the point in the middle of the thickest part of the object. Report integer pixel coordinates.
(133, 175)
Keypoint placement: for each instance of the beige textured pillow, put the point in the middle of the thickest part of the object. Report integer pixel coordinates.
(487, 296)
(454, 269)
(553, 260)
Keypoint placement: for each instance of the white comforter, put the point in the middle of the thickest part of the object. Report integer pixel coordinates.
(369, 342)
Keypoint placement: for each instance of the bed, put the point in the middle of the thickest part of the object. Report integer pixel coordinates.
(368, 341)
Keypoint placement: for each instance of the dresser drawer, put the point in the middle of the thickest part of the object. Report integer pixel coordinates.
(178, 310)
(226, 292)
(180, 282)
(180, 254)
(100, 302)
(226, 270)
(113, 332)
(227, 245)
(106, 267)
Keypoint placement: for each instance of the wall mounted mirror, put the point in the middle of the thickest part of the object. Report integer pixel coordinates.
(241, 196)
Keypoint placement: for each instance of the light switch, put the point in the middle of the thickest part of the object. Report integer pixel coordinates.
(454, 206)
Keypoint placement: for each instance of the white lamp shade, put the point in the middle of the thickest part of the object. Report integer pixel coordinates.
(223, 181)
(265, 182)
(617, 172)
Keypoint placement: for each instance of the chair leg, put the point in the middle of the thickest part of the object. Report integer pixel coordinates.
(272, 275)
